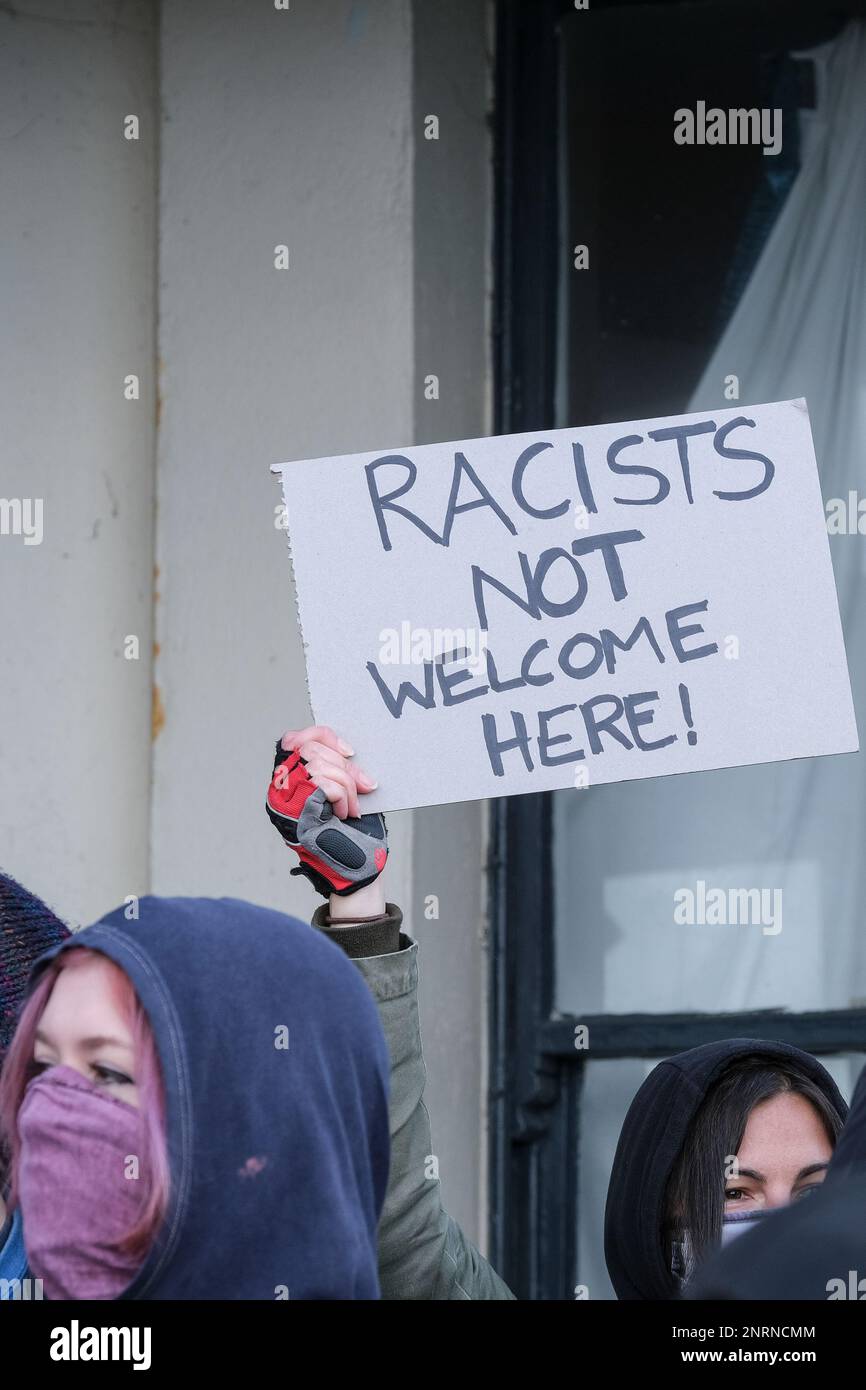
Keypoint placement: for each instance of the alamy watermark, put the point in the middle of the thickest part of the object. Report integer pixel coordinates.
(851, 1288)
(415, 646)
(21, 1290)
(729, 907)
(22, 516)
(755, 126)
(846, 516)
(77, 1343)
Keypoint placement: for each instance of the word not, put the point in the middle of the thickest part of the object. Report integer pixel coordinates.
(22, 516)
(733, 127)
(720, 907)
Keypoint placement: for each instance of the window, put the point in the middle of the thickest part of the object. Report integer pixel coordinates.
(584, 883)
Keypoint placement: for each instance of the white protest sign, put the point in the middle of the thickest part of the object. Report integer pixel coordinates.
(570, 607)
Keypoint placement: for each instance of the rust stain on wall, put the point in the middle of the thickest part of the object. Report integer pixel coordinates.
(157, 713)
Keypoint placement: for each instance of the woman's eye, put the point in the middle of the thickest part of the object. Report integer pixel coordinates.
(36, 1067)
(806, 1191)
(734, 1194)
(112, 1077)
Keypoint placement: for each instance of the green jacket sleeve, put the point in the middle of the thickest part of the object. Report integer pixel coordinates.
(423, 1254)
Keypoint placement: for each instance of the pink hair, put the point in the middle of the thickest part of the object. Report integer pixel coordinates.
(18, 1072)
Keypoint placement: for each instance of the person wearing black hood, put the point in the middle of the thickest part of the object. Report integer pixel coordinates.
(715, 1139)
(816, 1251)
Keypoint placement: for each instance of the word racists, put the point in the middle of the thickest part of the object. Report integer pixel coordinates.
(593, 584)
(649, 463)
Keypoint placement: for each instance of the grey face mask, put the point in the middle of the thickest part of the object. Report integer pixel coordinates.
(733, 1226)
(682, 1254)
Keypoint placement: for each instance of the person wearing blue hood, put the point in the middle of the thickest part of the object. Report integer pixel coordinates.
(168, 985)
(27, 928)
(196, 1104)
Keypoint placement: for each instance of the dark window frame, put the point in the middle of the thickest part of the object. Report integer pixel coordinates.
(536, 1074)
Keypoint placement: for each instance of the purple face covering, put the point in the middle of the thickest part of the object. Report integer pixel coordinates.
(76, 1202)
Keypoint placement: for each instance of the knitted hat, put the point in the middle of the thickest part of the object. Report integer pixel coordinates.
(27, 928)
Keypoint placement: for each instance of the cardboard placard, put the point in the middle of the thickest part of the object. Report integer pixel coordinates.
(565, 608)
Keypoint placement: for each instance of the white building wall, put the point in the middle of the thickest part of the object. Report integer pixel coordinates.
(278, 129)
(452, 209)
(77, 243)
(297, 127)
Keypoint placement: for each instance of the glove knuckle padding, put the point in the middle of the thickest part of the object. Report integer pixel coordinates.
(345, 845)
(337, 856)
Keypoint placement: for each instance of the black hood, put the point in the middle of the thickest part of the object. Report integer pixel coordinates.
(652, 1136)
(814, 1249)
(278, 1154)
(849, 1158)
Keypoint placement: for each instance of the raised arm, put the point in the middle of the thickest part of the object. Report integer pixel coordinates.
(423, 1253)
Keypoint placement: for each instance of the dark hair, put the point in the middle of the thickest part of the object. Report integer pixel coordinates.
(695, 1196)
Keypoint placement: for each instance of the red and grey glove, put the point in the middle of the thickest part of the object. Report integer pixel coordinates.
(337, 856)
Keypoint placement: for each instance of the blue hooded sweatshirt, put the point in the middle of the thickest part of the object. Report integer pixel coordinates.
(276, 1080)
